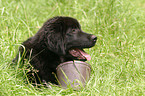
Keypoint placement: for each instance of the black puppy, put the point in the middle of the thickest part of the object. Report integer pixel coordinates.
(60, 39)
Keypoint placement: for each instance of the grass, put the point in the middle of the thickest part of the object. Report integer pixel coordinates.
(118, 58)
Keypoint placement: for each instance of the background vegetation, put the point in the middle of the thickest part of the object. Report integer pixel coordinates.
(118, 58)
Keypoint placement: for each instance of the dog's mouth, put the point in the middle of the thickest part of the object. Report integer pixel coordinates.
(79, 54)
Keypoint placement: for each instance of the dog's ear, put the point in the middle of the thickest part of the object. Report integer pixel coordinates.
(55, 36)
(56, 43)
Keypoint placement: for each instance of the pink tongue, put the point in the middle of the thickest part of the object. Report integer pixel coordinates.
(76, 52)
(87, 56)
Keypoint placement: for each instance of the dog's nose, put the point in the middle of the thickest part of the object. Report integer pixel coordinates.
(94, 38)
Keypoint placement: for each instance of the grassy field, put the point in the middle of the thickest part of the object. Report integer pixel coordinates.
(118, 58)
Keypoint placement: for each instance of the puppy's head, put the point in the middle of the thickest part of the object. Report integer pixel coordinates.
(64, 36)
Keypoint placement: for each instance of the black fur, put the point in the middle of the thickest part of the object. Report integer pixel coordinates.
(50, 45)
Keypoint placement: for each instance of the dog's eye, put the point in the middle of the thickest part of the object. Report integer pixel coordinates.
(74, 30)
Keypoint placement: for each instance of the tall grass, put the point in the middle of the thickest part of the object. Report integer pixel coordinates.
(118, 58)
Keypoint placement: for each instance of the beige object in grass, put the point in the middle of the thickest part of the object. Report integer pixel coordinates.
(73, 74)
